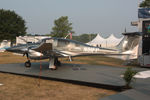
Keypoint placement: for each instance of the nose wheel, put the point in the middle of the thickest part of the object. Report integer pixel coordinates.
(27, 64)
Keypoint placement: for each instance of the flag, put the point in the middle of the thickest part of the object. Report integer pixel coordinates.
(70, 35)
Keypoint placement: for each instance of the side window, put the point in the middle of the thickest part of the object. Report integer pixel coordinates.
(77, 45)
(62, 43)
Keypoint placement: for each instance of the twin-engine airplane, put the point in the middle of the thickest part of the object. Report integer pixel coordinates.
(53, 48)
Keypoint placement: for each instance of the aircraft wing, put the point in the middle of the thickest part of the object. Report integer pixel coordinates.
(71, 53)
(47, 49)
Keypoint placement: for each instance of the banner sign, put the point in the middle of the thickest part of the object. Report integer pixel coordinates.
(144, 13)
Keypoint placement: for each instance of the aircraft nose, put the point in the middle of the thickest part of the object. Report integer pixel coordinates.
(17, 49)
(11, 49)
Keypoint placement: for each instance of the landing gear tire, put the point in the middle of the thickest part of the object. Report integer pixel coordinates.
(27, 64)
(57, 62)
(53, 68)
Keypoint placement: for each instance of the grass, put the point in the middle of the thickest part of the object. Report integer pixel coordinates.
(26, 88)
(95, 60)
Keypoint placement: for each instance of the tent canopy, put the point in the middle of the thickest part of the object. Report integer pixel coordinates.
(99, 41)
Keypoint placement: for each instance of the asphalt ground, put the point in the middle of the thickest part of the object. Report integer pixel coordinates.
(108, 77)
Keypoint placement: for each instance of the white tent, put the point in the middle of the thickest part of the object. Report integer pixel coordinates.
(110, 42)
(98, 41)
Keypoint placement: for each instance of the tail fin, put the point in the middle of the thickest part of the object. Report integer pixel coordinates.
(129, 45)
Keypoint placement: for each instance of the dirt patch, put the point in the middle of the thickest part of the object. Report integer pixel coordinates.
(25, 88)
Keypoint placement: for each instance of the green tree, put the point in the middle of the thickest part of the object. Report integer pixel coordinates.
(61, 27)
(11, 25)
(145, 4)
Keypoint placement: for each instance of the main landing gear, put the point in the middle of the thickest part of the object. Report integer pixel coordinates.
(27, 64)
(57, 62)
(53, 63)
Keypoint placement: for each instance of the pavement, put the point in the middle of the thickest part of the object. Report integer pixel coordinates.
(140, 91)
(98, 76)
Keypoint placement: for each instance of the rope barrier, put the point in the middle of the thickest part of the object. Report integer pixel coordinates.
(40, 73)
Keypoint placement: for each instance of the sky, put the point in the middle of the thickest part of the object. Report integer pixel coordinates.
(87, 16)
